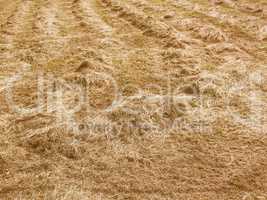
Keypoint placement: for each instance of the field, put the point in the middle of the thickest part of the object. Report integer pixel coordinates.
(133, 99)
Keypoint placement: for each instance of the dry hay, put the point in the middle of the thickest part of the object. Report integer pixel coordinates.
(137, 99)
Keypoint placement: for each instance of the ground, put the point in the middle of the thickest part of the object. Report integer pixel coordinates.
(133, 99)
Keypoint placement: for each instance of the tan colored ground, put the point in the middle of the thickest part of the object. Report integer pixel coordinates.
(175, 95)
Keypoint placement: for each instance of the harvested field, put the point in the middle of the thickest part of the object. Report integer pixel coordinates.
(133, 99)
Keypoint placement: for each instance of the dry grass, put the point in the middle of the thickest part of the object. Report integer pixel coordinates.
(135, 99)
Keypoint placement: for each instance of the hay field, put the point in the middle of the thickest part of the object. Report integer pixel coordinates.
(133, 99)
